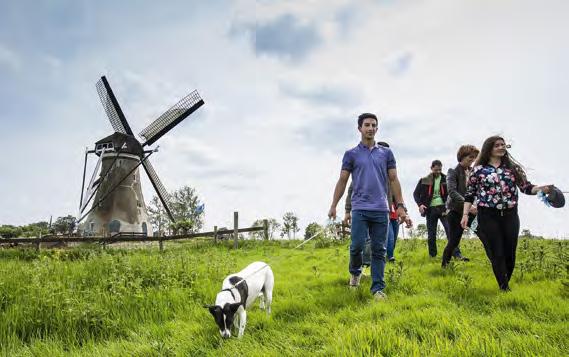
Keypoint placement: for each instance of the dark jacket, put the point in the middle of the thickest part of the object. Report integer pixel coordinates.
(423, 193)
(456, 184)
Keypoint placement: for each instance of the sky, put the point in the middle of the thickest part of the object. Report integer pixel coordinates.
(283, 83)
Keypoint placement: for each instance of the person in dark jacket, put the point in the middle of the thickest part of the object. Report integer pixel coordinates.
(430, 195)
(494, 183)
(456, 184)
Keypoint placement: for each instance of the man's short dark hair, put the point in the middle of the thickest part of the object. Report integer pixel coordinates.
(364, 116)
(436, 163)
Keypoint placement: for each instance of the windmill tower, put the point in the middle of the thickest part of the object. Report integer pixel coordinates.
(114, 189)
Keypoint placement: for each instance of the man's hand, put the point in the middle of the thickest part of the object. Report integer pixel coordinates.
(408, 222)
(348, 218)
(332, 213)
(422, 209)
(403, 217)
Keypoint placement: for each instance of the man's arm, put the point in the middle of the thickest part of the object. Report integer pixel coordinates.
(348, 205)
(417, 193)
(338, 192)
(398, 194)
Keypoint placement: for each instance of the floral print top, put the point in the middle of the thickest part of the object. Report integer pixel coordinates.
(494, 187)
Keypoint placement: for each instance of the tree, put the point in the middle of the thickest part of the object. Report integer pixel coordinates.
(312, 229)
(273, 226)
(187, 210)
(290, 225)
(421, 230)
(64, 225)
(9, 231)
(158, 215)
(526, 233)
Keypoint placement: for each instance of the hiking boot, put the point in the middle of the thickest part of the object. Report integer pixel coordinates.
(379, 295)
(355, 280)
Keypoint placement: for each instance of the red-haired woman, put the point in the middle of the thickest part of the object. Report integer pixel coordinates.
(456, 184)
(494, 182)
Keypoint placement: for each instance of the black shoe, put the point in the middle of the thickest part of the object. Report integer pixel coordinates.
(464, 259)
(391, 260)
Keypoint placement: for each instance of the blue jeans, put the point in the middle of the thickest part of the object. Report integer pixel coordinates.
(375, 225)
(392, 234)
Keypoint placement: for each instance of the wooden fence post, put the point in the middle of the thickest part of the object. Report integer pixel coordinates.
(161, 244)
(235, 228)
(215, 234)
(266, 229)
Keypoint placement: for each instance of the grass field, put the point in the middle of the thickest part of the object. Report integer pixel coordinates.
(118, 302)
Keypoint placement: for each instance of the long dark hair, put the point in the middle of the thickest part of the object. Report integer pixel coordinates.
(507, 160)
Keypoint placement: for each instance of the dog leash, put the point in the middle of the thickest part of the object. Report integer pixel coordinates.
(321, 230)
(328, 224)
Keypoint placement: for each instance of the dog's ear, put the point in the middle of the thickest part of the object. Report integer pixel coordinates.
(213, 309)
(233, 307)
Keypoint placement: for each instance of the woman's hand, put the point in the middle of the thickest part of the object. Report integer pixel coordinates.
(545, 189)
(464, 221)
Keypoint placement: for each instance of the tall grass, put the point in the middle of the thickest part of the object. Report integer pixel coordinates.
(116, 302)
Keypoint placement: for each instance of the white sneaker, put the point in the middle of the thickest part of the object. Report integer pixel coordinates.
(355, 280)
(379, 295)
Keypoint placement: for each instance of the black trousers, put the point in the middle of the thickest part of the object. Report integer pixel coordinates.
(455, 231)
(433, 215)
(498, 230)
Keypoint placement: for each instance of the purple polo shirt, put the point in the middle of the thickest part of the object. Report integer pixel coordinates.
(369, 176)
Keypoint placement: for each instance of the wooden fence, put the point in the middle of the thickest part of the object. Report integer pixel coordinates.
(138, 237)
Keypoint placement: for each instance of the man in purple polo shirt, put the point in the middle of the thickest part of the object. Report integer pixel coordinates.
(371, 167)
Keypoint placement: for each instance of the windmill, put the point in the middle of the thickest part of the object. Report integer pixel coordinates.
(114, 188)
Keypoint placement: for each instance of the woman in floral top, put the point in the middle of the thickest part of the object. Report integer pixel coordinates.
(494, 182)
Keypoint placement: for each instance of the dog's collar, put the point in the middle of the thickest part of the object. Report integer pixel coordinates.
(230, 292)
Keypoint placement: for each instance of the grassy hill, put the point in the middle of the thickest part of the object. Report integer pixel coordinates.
(116, 302)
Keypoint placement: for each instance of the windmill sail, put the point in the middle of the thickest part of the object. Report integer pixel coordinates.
(112, 107)
(158, 187)
(172, 117)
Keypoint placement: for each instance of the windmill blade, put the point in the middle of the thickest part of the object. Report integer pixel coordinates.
(158, 187)
(112, 107)
(172, 117)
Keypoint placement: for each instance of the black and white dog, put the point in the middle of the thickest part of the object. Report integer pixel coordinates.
(239, 292)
